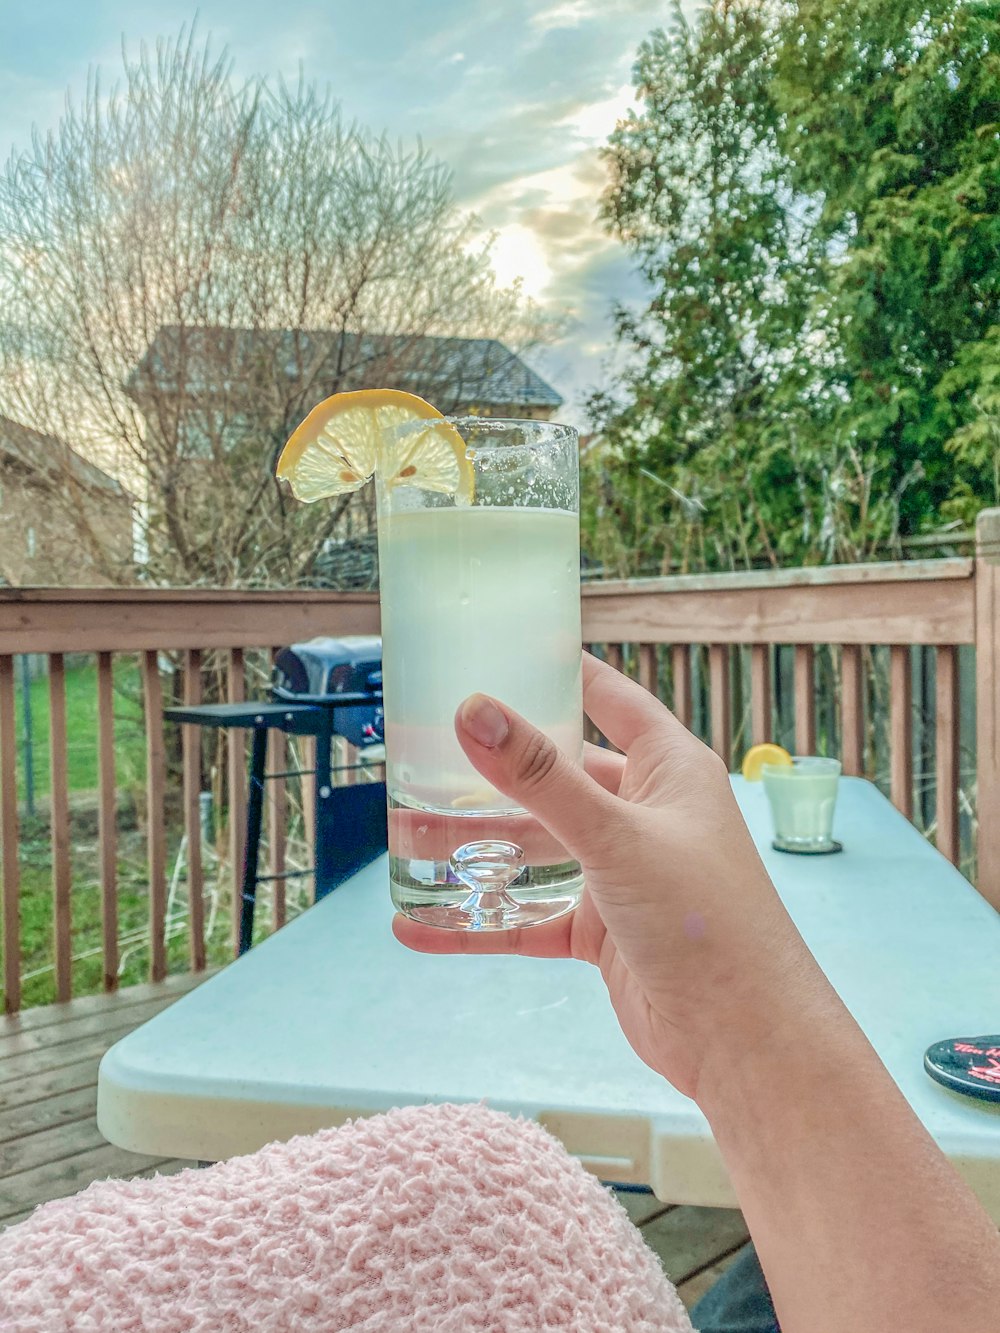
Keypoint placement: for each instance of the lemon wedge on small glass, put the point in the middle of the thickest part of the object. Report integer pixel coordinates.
(759, 755)
(349, 437)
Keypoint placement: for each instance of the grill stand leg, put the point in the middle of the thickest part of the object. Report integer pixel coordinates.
(255, 809)
(325, 818)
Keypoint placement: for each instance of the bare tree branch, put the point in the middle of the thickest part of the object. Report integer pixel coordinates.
(190, 262)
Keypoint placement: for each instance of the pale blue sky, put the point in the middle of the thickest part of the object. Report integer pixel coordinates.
(515, 95)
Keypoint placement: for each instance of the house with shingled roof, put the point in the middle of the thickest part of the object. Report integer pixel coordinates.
(231, 396)
(233, 367)
(63, 520)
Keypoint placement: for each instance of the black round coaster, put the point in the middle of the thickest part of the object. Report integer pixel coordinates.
(805, 851)
(970, 1065)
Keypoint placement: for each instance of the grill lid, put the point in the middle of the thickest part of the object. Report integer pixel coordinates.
(321, 669)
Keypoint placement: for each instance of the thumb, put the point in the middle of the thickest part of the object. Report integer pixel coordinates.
(526, 765)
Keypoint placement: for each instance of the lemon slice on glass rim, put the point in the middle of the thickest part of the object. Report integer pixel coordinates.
(349, 437)
(759, 755)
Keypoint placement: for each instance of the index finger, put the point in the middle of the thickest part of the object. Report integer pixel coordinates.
(623, 709)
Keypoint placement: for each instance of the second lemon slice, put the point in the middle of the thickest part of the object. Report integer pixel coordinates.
(350, 436)
(759, 755)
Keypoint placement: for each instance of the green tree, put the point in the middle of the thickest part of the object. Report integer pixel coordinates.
(811, 194)
(717, 440)
(892, 117)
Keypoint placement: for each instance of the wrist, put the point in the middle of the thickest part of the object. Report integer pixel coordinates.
(771, 1026)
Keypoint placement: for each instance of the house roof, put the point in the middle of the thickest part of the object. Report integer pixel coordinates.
(46, 454)
(452, 371)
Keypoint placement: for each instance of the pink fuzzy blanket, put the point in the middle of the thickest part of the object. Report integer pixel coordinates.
(449, 1219)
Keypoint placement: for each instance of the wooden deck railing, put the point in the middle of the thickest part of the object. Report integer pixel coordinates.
(929, 604)
(707, 644)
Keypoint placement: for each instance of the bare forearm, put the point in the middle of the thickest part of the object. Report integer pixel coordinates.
(860, 1222)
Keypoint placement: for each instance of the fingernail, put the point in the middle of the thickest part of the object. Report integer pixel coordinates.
(484, 721)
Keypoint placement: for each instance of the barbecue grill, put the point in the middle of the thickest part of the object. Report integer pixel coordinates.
(324, 688)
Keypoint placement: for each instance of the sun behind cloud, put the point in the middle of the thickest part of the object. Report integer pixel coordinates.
(519, 255)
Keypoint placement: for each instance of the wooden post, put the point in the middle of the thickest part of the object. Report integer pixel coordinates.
(946, 723)
(62, 886)
(649, 668)
(237, 781)
(156, 837)
(107, 806)
(761, 729)
(852, 711)
(721, 704)
(680, 657)
(9, 840)
(191, 743)
(901, 729)
(307, 749)
(277, 762)
(988, 703)
(805, 699)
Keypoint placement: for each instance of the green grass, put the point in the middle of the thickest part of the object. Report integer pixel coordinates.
(36, 919)
(38, 978)
(35, 896)
(35, 857)
(81, 727)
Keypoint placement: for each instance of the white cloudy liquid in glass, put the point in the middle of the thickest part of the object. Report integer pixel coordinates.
(803, 798)
(486, 599)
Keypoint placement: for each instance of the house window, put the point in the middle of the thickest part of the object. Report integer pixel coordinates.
(31, 543)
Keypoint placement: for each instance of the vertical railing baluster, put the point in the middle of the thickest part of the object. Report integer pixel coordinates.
(987, 625)
(156, 838)
(237, 781)
(106, 818)
(308, 747)
(901, 729)
(62, 879)
(277, 762)
(761, 725)
(649, 668)
(191, 761)
(852, 710)
(680, 661)
(721, 701)
(946, 728)
(9, 839)
(276, 809)
(805, 699)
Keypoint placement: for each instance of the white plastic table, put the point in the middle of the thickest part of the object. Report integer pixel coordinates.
(331, 1018)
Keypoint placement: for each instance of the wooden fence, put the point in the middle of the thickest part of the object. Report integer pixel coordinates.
(656, 628)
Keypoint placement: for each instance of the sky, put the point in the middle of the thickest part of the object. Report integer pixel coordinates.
(516, 96)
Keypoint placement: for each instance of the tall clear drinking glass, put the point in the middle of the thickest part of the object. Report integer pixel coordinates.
(480, 591)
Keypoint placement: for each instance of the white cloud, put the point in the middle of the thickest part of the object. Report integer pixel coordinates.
(565, 14)
(574, 13)
(516, 97)
(546, 226)
(595, 121)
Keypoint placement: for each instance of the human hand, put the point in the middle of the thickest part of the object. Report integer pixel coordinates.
(677, 910)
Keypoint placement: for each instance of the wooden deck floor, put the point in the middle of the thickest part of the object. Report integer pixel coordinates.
(50, 1145)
